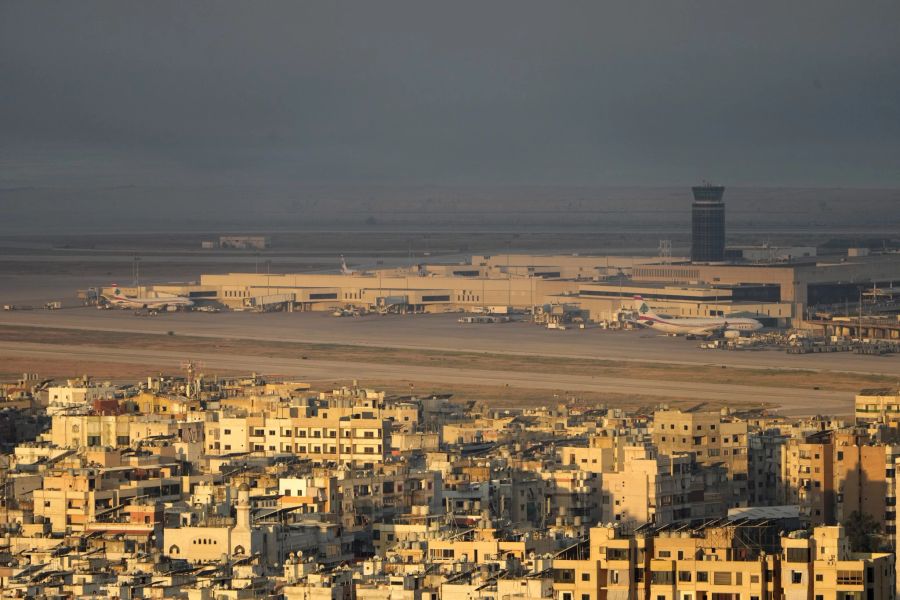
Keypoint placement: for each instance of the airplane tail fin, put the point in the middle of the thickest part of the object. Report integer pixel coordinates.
(640, 307)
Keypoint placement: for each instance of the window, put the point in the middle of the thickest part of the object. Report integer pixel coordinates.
(616, 553)
(702, 576)
(797, 555)
(796, 577)
(563, 575)
(661, 577)
(850, 578)
(684, 575)
(722, 578)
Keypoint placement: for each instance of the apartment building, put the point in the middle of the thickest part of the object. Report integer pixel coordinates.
(878, 406)
(359, 438)
(821, 566)
(807, 477)
(77, 393)
(659, 489)
(832, 475)
(764, 466)
(712, 439)
(743, 559)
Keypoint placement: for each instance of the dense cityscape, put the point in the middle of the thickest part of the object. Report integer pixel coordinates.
(405, 300)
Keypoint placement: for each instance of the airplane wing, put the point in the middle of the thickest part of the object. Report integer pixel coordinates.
(708, 330)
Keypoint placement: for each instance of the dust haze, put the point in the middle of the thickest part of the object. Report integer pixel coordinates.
(510, 115)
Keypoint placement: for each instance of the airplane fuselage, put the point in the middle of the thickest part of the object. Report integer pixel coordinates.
(148, 303)
(691, 326)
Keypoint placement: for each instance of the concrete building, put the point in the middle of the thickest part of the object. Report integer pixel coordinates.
(832, 475)
(780, 293)
(878, 407)
(711, 439)
(77, 393)
(736, 560)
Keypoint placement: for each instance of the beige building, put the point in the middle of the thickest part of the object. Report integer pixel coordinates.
(602, 285)
(833, 474)
(76, 393)
(359, 438)
(209, 542)
(822, 566)
(807, 477)
(711, 439)
(74, 431)
(657, 489)
(735, 561)
(878, 406)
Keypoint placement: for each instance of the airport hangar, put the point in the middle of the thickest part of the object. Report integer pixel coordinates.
(603, 286)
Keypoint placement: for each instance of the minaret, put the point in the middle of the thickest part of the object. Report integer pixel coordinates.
(243, 508)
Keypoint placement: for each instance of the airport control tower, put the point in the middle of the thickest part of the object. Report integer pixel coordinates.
(708, 224)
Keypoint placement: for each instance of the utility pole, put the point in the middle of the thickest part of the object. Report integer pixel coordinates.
(859, 316)
(508, 275)
(136, 271)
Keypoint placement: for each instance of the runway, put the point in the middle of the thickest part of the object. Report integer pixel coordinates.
(796, 401)
(444, 333)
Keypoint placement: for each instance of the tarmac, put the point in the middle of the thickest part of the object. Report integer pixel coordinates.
(443, 333)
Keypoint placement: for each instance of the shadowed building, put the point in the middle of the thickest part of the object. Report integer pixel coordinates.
(708, 224)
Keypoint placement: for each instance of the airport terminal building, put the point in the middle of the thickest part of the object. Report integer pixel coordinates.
(779, 294)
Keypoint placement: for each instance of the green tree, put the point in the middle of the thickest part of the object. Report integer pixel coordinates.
(861, 529)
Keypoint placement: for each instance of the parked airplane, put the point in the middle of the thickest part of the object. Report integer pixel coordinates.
(120, 300)
(689, 325)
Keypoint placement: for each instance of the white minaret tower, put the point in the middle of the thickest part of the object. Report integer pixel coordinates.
(243, 508)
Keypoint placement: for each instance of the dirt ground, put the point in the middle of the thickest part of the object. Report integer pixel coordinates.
(12, 368)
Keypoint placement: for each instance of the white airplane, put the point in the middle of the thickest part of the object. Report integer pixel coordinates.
(120, 300)
(689, 325)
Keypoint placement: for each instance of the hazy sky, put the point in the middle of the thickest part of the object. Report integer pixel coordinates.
(593, 93)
